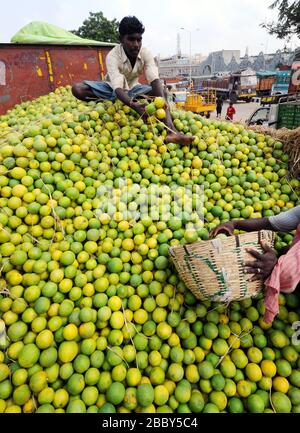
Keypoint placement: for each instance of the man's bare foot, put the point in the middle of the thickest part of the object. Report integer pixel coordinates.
(179, 138)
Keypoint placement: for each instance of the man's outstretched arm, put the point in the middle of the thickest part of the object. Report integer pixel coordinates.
(158, 90)
(173, 135)
(248, 225)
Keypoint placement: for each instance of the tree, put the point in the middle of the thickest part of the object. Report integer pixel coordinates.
(99, 28)
(288, 21)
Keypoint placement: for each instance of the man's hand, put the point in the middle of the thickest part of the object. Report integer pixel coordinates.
(227, 227)
(264, 263)
(139, 108)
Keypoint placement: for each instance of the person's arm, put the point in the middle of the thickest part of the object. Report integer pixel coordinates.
(283, 222)
(123, 96)
(152, 76)
(150, 68)
(157, 90)
(248, 225)
(157, 87)
(286, 221)
(265, 263)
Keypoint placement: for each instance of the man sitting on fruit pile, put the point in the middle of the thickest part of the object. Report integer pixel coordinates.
(124, 63)
(280, 274)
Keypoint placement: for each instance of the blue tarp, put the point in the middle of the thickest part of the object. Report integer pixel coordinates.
(266, 73)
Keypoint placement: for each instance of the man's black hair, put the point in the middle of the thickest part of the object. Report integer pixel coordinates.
(130, 25)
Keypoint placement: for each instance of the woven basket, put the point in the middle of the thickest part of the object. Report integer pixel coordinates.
(214, 270)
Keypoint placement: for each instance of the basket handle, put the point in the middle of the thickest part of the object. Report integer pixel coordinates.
(186, 250)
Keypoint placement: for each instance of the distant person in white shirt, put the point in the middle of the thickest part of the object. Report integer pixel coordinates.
(125, 63)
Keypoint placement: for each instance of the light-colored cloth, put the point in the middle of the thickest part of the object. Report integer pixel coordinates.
(286, 221)
(284, 278)
(120, 72)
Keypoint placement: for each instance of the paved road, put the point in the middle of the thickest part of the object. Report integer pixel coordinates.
(243, 110)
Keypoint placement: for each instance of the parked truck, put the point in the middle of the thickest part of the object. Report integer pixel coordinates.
(281, 81)
(235, 86)
(273, 82)
(265, 81)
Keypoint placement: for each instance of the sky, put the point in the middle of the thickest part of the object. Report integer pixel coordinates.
(213, 25)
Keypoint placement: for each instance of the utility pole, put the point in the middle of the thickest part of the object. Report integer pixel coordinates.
(190, 32)
(190, 59)
(178, 46)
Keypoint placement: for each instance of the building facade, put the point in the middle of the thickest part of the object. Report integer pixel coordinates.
(222, 61)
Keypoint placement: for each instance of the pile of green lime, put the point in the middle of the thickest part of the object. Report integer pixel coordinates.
(93, 318)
